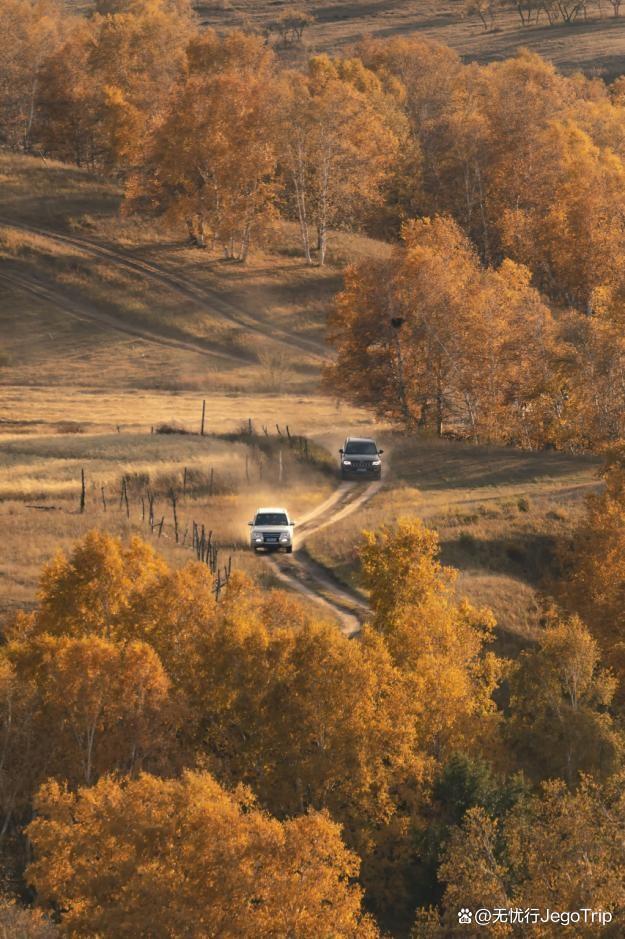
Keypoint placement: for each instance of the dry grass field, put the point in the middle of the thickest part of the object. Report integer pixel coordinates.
(595, 44)
(218, 483)
(499, 514)
(108, 329)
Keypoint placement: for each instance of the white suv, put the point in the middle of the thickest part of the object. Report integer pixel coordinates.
(272, 529)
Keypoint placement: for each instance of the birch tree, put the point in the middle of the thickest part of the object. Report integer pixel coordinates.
(212, 162)
(335, 153)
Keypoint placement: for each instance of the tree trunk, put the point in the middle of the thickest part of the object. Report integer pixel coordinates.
(439, 413)
(191, 230)
(201, 233)
(303, 223)
(245, 242)
(322, 221)
(322, 243)
(298, 176)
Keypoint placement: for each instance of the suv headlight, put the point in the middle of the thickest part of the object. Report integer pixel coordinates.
(285, 537)
(376, 462)
(347, 462)
(258, 538)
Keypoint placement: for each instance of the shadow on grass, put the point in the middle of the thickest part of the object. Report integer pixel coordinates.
(450, 464)
(530, 557)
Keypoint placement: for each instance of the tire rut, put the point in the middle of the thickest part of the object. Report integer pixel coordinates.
(168, 277)
(80, 311)
(309, 578)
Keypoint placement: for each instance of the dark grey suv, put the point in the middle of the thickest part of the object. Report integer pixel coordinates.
(360, 458)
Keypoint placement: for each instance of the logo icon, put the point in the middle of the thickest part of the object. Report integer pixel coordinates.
(465, 916)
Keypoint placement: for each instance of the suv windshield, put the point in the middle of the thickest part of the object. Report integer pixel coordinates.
(271, 518)
(366, 447)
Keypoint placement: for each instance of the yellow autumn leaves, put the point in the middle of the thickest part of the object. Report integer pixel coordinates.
(241, 768)
(126, 667)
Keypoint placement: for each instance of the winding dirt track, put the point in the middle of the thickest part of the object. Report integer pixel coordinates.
(300, 572)
(166, 276)
(58, 298)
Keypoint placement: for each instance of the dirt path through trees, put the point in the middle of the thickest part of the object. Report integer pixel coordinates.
(306, 576)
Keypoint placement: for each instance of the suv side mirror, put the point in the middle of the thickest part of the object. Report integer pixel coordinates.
(292, 524)
(250, 523)
(380, 451)
(341, 450)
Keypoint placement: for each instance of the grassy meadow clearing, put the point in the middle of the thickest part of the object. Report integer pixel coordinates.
(593, 41)
(499, 513)
(76, 392)
(114, 313)
(218, 483)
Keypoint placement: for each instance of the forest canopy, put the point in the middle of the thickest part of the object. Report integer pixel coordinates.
(502, 186)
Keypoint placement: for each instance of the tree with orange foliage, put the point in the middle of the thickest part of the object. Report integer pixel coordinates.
(212, 161)
(435, 639)
(560, 725)
(549, 229)
(90, 592)
(67, 102)
(430, 338)
(593, 577)
(558, 850)
(336, 149)
(85, 707)
(106, 88)
(186, 857)
(30, 31)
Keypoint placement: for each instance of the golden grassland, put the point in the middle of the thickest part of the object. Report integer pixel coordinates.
(77, 393)
(206, 346)
(592, 43)
(499, 513)
(226, 480)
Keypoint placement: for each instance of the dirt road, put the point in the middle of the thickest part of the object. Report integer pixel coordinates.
(299, 571)
(311, 579)
(166, 276)
(52, 294)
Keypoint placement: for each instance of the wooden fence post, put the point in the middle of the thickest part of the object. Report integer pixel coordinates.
(173, 505)
(203, 415)
(83, 491)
